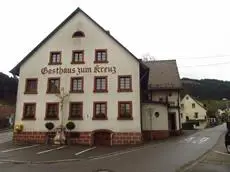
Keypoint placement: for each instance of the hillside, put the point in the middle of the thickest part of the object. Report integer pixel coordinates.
(206, 89)
(8, 89)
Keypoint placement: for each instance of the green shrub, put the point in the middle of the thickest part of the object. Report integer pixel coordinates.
(70, 125)
(49, 125)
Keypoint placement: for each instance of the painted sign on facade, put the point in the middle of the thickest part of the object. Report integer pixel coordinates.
(79, 70)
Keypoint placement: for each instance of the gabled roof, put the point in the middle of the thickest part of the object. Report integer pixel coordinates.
(163, 74)
(15, 70)
(195, 100)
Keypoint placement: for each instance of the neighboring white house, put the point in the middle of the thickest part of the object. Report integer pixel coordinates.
(192, 109)
(161, 107)
(103, 83)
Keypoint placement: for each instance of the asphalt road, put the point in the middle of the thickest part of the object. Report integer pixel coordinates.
(167, 156)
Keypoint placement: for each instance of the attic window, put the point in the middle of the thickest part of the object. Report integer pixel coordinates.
(78, 34)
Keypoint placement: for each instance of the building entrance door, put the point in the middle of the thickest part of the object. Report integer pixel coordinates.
(172, 123)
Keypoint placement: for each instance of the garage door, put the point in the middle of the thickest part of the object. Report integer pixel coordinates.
(102, 138)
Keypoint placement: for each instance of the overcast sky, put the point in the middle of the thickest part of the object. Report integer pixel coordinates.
(195, 32)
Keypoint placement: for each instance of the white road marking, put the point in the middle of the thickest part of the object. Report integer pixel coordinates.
(49, 150)
(204, 139)
(189, 139)
(20, 148)
(86, 150)
(194, 141)
(114, 154)
(222, 153)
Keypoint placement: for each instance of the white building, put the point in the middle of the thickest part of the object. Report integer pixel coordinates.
(102, 80)
(193, 110)
(161, 107)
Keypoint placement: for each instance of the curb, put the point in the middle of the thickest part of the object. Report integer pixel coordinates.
(39, 162)
(192, 163)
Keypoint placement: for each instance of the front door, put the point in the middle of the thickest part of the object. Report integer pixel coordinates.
(102, 138)
(172, 122)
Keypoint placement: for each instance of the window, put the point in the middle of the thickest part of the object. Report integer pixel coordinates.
(31, 86)
(100, 110)
(29, 110)
(75, 110)
(181, 115)
(125, 110)
(182, 105)
(78, 34)
(124, 83)
(100, 56)
(100, 84)
(55, 58)
(160, 99)
(52, 110)
(196, 115)
(78, 57)
(53, 85)
(187, 98)
(193, 105)
(77, 85)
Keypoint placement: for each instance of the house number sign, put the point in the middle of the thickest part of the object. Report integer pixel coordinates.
(79, 70)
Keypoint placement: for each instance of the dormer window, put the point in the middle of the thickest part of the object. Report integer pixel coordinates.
(78, 34)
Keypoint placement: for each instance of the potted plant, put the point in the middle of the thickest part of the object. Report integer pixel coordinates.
(19, 128)
(70, 126)
(49, 126)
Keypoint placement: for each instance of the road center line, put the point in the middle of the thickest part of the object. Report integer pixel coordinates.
(20, 148)
(221, 153)
(86, 150)
(49, 150)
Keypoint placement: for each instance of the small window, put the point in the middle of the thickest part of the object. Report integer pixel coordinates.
(100, 56)
(187, 98)
(29, 111)
(125, 110)
(160, 99)
(55, 58)
(52, 110)
(53, 85)
(100, 84)
(124, 83)
(31, 86)
(187, 118)
(78, 57)
(181, 115)
(150, 96)
(196, 115)
(100, 111)
(193, 105)
(182, 105)
(75, 111)
(77, 85)
(78, 34)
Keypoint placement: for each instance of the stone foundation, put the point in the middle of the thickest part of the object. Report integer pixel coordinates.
(83, 138)
(126, 138)
(30, 137)
(155, 135)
